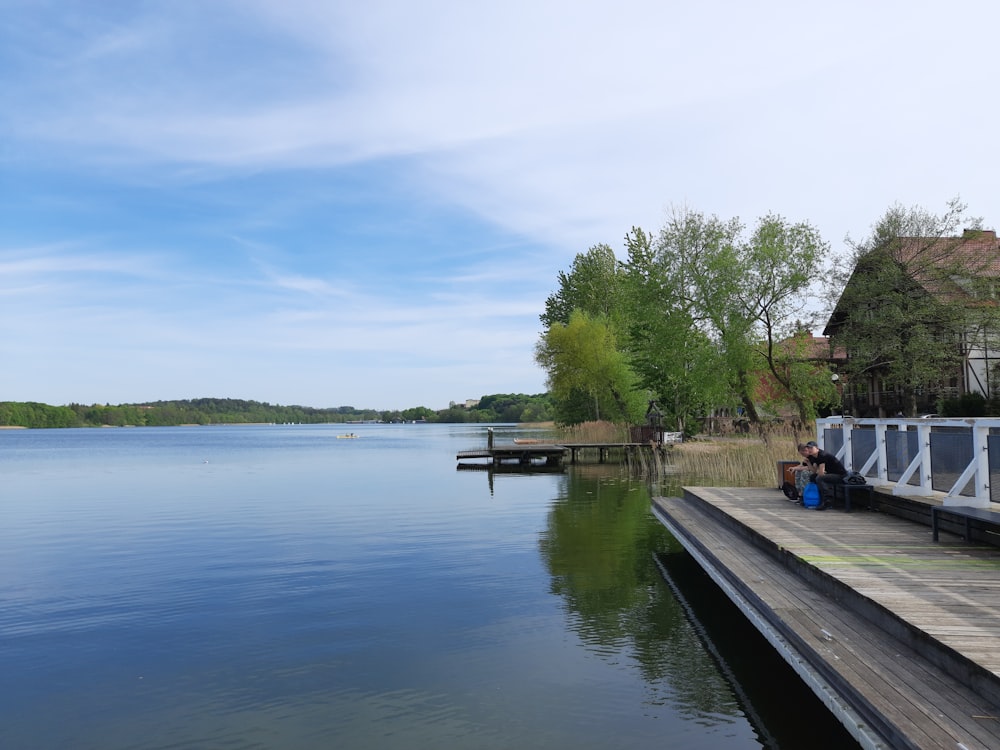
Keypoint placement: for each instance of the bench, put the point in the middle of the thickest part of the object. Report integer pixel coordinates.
(845, 490)
(968, 514)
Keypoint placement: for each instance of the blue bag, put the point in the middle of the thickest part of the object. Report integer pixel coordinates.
(810, 495)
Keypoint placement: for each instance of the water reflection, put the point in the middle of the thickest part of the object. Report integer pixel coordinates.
(598, 549)
(630, 589)
(492, 471)
(783, 711)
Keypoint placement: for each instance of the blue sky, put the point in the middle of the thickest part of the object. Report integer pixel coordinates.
(340, 203)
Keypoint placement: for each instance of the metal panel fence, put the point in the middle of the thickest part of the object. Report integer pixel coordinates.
(956, 457)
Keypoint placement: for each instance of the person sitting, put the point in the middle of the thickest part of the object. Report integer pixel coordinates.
(802, 475)
(826, 470)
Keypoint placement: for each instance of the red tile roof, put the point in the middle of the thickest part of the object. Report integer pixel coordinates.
(977, 252)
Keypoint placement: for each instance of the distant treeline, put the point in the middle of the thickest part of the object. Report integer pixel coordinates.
(513, 407)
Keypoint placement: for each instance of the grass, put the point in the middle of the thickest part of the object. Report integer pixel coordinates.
(594, 432)
(731, 462)
(744, 461)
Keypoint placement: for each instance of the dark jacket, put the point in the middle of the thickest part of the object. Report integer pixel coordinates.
(832, 463)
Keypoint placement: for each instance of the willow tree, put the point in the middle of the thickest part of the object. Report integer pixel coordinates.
(591, 287)
(582, 357)
(696, 313)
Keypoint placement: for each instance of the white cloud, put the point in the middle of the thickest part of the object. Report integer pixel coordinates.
(503, 138)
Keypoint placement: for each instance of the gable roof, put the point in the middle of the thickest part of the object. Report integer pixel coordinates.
(976, 253)
(932, 261)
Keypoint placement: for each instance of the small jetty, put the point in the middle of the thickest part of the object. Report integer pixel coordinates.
(524, 455)
(898, 635)
(551, 454)
(528, 452)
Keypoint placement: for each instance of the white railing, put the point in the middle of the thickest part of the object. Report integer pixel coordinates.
(877, 448)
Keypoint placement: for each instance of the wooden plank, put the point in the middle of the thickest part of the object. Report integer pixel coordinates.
(947, 595)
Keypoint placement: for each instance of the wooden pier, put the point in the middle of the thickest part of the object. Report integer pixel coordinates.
(551, 454)
(524, 455)
(606, 450)
(899, 636)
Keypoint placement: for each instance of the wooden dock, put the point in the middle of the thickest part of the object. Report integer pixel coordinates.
(606, 450)
(523, 455)
(552, 454)
(897, 635)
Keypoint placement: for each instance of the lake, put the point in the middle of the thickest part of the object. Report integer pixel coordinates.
(273, 586)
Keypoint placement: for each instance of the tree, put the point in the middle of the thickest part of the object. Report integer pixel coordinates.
(905, 307)
(713, 307)
(777, 269)
(672, 356)
(700, 254)
(593, 285)
(698, 312)
(419, 413)
(582, 356)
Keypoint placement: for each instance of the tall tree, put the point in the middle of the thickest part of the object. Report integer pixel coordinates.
(700, 255)
(747, 295)
(778, 265)
(593, 284)
(698, 311)
(675, 360)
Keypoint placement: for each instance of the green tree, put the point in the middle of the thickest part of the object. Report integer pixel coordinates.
(36, 415)
(593, 284)
(455, 415)
(582, 356)
(778, 267)
(742, 296)
(672, 356)
(700, 256)
(419, 413)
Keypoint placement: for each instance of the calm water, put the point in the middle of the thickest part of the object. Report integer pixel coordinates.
(275, 587)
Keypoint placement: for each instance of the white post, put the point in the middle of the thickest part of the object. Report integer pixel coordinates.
(882, 455)
(921, 465)
(978, 471)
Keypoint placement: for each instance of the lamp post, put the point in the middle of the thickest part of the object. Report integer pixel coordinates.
(835, 379)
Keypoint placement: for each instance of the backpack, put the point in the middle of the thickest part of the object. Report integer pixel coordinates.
(790, 492)
(853, 477)
(810, 496)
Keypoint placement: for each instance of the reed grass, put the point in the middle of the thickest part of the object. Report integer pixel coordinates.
(743, 461)
(731, 462)
(595, 432)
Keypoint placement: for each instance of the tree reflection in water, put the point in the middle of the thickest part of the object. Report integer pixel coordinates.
(696, 652)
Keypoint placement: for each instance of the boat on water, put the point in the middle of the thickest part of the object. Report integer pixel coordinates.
(348, 436)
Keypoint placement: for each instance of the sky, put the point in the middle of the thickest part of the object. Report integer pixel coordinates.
(366, 204)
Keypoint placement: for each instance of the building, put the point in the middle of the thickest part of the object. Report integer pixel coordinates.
(947, 288)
